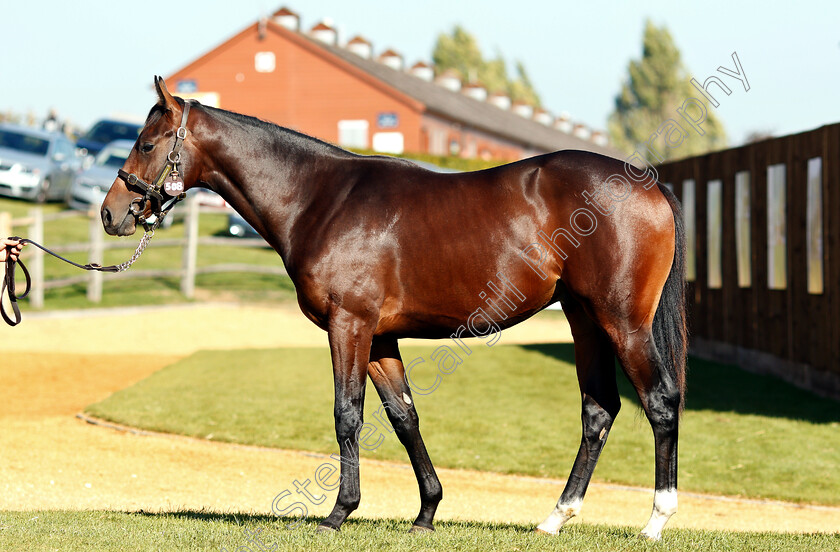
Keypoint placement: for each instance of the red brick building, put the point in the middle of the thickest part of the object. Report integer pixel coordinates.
(307, 82)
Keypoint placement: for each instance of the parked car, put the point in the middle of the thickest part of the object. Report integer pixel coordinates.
(35, 164)
(104, 132)
(91, 185)
(238, 227)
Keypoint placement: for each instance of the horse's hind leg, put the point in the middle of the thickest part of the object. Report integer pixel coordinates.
(660, 396)
(388, 375)
(600, 404)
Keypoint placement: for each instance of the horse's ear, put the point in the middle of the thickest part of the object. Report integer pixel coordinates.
(165, 99)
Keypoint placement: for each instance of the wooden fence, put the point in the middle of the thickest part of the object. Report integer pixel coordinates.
(96, 247)
(764, 220)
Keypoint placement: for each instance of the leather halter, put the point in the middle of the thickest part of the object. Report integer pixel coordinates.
(154, 193)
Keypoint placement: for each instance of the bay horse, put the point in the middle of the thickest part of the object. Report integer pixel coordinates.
(380, 249)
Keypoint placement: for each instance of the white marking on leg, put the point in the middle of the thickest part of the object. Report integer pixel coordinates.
(406, 398)
(561, 514)
(664, 506)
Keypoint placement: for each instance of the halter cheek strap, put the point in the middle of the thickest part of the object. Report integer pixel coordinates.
(154, 192)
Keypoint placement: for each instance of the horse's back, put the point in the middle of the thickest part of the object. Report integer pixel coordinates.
(428, 244)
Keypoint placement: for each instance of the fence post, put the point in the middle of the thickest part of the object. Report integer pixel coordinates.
(36, 234)
(190, 248)
(5, 224)
(95, 255)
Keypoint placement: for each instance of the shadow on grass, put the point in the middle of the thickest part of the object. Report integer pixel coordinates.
(395, 524)
(727, 388)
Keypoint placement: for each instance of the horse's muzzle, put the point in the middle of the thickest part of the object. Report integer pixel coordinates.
(126, 227)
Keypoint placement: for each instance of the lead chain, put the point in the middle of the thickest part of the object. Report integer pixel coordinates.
(144, 241)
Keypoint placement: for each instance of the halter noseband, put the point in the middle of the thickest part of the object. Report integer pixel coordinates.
(154, 193)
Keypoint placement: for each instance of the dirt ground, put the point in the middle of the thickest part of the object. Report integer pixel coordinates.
(55, 365)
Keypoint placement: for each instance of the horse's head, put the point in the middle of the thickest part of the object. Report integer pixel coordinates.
(157, 148)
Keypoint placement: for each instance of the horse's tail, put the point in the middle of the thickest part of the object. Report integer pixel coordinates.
(670, 328)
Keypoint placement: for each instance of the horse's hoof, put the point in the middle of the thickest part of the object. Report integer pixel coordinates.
(326, 529)
(420, 529)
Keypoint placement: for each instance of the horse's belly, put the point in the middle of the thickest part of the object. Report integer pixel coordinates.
(490, 311)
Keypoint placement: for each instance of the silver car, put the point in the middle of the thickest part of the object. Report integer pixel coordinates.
(90, 186)
(35, 164)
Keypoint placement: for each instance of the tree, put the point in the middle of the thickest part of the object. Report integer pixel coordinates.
(460, 51)
(521, 89)
(656, 86)
(10, 116)
(758, 136)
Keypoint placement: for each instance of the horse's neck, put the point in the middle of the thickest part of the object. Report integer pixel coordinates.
(271, 176)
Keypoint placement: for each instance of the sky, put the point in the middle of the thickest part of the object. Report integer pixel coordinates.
(89, 59)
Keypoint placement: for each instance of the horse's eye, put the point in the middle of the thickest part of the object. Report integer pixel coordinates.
(147, 147)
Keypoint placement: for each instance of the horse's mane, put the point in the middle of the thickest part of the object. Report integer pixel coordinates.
(155, 113)
(287, 135)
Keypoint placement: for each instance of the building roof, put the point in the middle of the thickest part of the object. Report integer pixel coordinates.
(435, 99)
(322, 27)
(284, 11)
(389, 53)
(477, 114)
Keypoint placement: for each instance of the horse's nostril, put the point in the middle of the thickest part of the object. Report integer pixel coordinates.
(106, 216)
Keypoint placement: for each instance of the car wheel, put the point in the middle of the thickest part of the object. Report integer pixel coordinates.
(42, 192)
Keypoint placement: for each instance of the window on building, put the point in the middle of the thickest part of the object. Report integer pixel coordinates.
(743, 247)
(438, 141)
(690, 216)
(776, 228)
(714, 222)
(264, 62)
(814, 229)
(471, 149)
(388, 142)
(353, 134)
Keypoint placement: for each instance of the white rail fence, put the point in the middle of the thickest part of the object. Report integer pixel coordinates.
(96, 247)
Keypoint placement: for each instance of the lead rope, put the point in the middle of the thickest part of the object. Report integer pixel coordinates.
(163, 181)
(9, 277)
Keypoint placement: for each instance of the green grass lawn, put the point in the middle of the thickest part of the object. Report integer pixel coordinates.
(153, 291)
(512, 409)
(189, 531)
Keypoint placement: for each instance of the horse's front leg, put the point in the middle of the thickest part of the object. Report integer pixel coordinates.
(350, 340)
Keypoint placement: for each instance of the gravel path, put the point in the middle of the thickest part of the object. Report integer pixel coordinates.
(53, 460)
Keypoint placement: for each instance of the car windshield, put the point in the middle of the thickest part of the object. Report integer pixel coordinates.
(108, 131)
(23, 142)
(112, 157)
